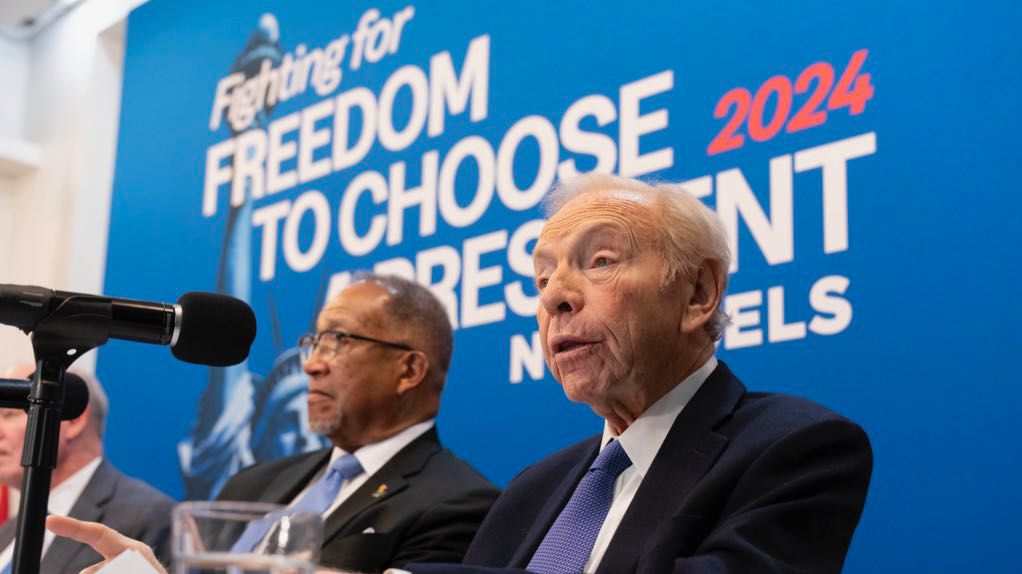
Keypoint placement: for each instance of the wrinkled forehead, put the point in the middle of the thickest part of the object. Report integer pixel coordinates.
(633, 210)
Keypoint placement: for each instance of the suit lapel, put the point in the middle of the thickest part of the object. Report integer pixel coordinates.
(555, 502)
(689, 450)
(286, 485)
(386, 482)
(89, 506)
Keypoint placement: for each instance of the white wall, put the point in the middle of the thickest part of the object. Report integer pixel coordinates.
(13, 80)
(13, 84)
(53, 220)
(14, 65)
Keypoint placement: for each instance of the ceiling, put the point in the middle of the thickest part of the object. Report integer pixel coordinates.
(22, 19)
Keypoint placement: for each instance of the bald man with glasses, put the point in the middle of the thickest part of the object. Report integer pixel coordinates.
(389, 493)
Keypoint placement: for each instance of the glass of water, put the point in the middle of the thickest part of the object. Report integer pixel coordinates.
(219, 537)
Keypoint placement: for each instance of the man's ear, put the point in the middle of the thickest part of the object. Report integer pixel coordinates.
(72, 429)
(707, 291)
(413, 369)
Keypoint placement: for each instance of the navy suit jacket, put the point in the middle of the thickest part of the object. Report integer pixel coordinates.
(424, 504)
(744, 482)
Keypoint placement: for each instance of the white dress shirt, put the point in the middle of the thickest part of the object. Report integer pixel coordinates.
(372, 457)
(641, 441)
(62, 499)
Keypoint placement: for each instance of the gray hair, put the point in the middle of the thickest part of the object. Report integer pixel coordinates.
(413, 304)
(99, 405)
(689, 232)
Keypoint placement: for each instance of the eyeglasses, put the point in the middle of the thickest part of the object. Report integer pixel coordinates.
(329, 342)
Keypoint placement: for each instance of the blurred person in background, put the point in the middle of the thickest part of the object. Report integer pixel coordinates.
(84, 485)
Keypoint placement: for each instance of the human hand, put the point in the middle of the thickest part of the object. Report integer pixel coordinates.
(107, 541)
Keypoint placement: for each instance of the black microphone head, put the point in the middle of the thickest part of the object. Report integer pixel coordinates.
(76, 396)
(216, 330)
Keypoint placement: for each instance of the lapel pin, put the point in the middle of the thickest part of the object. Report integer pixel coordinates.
(381, 491)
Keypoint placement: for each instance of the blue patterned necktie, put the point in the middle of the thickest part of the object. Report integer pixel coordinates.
(316, 501)
(569, 542)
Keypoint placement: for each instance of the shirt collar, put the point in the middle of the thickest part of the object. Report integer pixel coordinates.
(372, 457)
(643, 438)
(64, 495)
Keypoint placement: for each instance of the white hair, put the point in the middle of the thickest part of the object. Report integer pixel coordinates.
(99, 405)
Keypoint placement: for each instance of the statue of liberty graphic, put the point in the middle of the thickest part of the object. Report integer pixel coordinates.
(243, 418)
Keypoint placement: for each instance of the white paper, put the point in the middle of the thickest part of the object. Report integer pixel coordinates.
(128, 562)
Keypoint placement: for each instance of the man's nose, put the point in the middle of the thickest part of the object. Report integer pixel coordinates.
(562, 293)
(314, 365)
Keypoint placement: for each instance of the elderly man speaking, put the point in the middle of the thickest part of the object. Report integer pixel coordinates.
(692, 473)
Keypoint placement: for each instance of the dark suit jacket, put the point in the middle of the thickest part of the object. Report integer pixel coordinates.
(744, 482)
(423, 505)
(125, 504)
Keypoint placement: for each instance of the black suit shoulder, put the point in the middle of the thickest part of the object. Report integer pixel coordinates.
(774, 434)
(249, 484)
(453, 474)
(761, 420)
(783, 411)
(278, 465)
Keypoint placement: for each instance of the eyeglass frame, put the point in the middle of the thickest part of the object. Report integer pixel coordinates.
(341, 335)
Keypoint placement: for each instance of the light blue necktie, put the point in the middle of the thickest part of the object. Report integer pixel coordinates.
(322, 494)
(569, 542)
(316, 501)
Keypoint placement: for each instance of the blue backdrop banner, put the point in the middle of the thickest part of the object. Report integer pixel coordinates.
(859, 155)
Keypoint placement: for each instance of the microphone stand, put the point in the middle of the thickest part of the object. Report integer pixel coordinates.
(75, 327)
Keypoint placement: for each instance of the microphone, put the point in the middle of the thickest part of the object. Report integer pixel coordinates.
(14, 395)
(203, 328)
